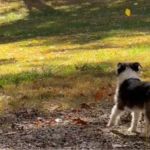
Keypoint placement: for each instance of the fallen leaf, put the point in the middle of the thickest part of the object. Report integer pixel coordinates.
(58, 120)
(76, 110)
(99, 95)
(85, 106)
(92, 104)
(135, 4)
(81, 94)
(52, 123)
(128, 12)
(38, 123)
(10, 133)
(78, 121)
(40, 119)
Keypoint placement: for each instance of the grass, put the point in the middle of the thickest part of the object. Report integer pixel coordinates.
(63, 57)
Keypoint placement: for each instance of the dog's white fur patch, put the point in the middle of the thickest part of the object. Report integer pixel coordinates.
(128, 73)
(136, 114)
(115, 116)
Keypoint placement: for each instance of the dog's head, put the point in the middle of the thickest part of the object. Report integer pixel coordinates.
(128, 70)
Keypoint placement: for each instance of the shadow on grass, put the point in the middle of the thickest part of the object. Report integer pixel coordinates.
(23, 76)
(7, 61)
(103, 69)
(82, 22)
(38, 4)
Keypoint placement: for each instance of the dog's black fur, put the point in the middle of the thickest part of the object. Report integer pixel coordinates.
(133, 93)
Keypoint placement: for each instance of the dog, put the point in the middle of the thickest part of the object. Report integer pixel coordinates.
(132, 94)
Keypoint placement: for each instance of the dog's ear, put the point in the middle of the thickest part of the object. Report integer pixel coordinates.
(120, 68)
(119, 64)
(136, 66)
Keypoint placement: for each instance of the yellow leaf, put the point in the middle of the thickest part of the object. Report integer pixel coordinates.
(128, 12)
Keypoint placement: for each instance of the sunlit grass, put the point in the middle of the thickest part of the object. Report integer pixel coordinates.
(9, 12)
(33, 54)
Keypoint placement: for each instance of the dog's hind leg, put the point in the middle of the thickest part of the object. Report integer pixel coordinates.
(147, 120)
(147, 127)
(115, 115)
(135, 118)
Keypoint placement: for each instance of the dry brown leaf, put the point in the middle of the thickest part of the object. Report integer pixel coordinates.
(52, 123)
(99, 95)
(82, 94)
(85, 106)
(38, 123)
(78, 121)
(76, 110)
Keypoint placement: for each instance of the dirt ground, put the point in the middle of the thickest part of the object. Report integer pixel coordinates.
(74, 129)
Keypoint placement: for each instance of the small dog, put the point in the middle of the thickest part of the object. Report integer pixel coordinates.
(131, 93)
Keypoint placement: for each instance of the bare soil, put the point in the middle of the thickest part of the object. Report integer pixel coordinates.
(74, 129)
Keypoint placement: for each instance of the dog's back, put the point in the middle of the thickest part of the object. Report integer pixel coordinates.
(133, 93)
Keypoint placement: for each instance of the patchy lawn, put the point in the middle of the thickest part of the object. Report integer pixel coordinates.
(67, 56)
(57, 72)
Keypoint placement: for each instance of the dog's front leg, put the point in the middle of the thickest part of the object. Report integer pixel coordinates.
(134, 122)
(114, 117)
(147, 128)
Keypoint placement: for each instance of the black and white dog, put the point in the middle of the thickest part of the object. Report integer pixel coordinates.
(131, 93)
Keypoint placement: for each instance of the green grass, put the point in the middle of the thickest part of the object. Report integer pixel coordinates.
(76, 43)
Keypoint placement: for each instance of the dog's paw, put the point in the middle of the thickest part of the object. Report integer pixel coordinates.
(109, 124)
(131, 130)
